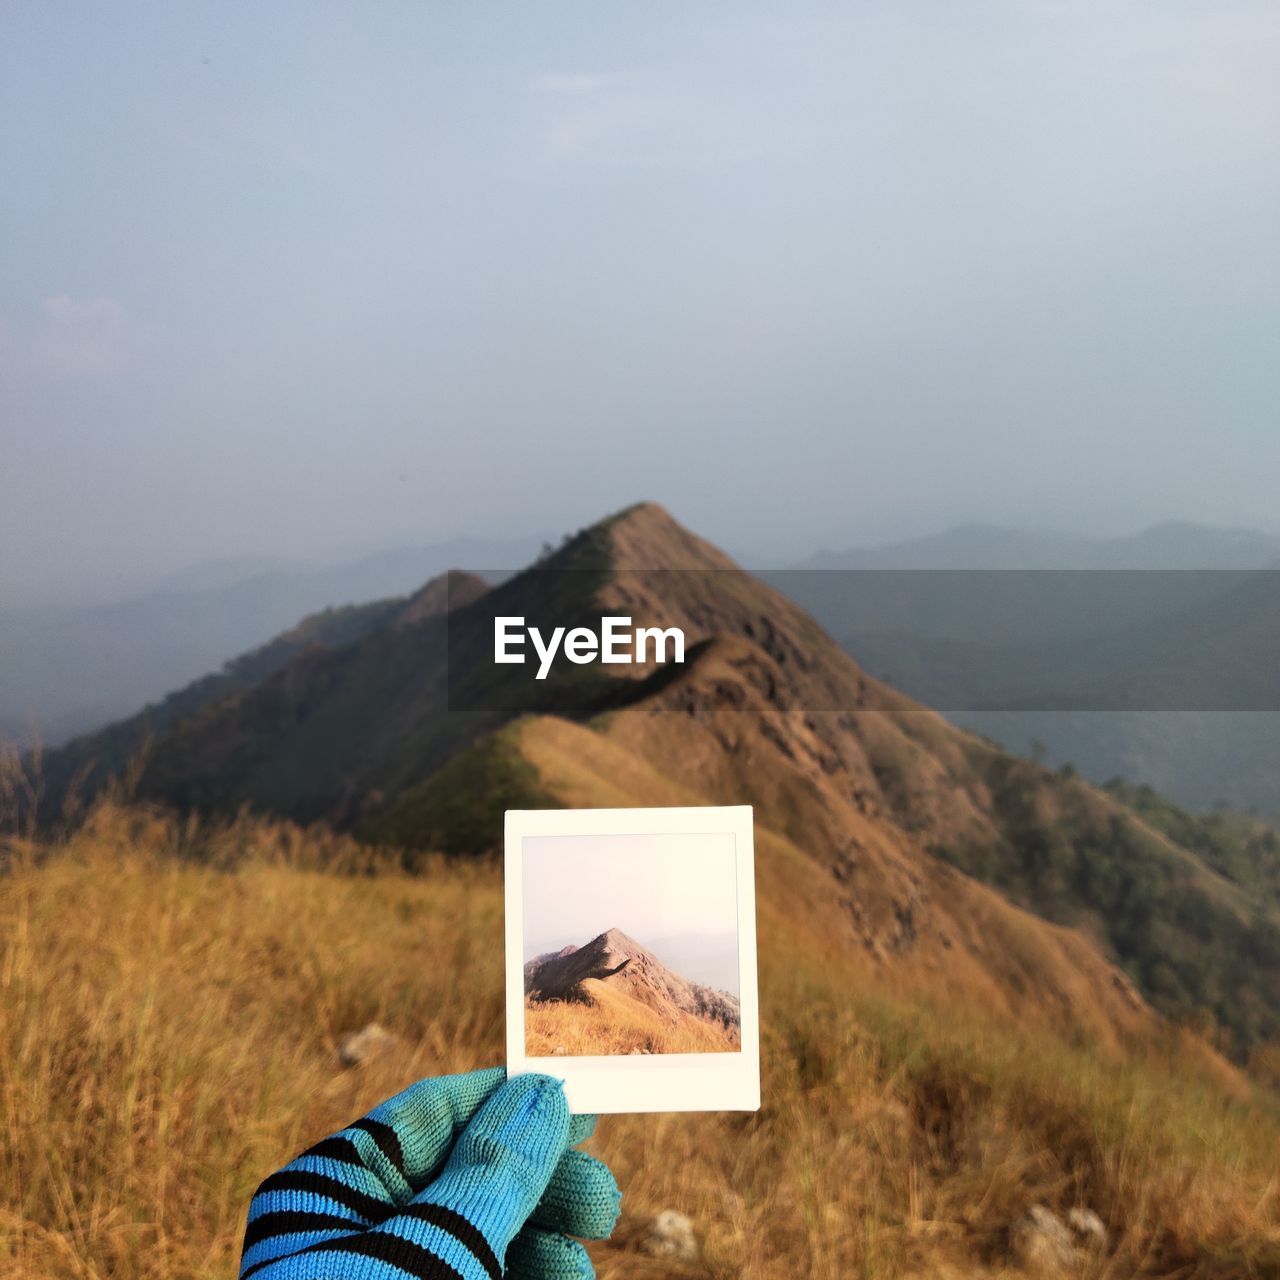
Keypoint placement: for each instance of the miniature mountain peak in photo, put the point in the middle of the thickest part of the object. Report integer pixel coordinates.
(615, 955)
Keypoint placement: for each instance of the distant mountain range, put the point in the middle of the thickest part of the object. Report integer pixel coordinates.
(1173, 545)
(879, 824)
(65, 671)
(1150, 657)
(1056, 663)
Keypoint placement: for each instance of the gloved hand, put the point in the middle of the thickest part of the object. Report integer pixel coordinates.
(454, 1179)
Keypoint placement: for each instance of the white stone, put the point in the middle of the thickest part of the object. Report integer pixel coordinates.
(1088, 1228)
(359, 1046)
(671, 1236)
(1042, 1244)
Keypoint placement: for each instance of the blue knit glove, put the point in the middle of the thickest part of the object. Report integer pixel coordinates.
(453, 1179)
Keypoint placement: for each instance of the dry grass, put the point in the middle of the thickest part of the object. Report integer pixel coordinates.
(611, 1022)
(171, 997)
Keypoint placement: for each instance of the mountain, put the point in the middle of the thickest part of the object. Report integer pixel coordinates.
(1148, 657)
(997, 587)
(626, 966)
(1172, 545)
(65, 671)
(613, 996)
(1204, 760)
(882, 830)
(1213, 653)
(87, 762)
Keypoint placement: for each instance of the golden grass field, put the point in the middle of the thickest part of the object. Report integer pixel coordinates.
(614, 1023)
(171, 997)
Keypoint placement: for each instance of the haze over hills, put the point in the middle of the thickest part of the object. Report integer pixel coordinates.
(878, 821)
(1171, 545)
(952, 640)
(709, 960)
(66, 670)
(1152, 661)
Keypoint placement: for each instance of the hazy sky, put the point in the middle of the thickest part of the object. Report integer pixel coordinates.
(297, 279)
(650, 887)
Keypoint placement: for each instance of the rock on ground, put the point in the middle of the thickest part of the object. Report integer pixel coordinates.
(1089, 1230)
(359, 1046)
(670, 1235)
(1043, 1244)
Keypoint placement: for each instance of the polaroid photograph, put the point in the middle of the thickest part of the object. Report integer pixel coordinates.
(631, 956)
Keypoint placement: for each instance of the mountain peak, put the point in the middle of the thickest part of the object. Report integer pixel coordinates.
(647, 536)
(443, 593)
(617, 940)
(644, 512)
(618, 960)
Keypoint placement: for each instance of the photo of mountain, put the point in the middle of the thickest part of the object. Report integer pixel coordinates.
(612, 994)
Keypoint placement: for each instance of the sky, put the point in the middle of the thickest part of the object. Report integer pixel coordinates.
(304, 280)
(659, 889)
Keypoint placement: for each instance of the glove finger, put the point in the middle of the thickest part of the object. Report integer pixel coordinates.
(357, 1177)
(496, 1174)
(547, 1255)
(580, 1129)
(582, 1198)
(409, 1136)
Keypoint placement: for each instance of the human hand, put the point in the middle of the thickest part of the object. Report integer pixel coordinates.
(457, 1178)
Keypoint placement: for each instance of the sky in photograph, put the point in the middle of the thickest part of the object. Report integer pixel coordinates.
(309, 279)
(668, 892)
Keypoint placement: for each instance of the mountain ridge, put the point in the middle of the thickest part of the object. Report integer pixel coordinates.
(1168, 544)
(877, 819)
(626, 965)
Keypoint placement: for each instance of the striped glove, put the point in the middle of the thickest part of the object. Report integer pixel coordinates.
(454, 1179)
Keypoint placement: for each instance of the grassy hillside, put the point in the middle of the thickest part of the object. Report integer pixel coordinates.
(453, 809)
(171, 996)
(86, 762)
(1188, 904)
(1243, 849)
(611, 1022)
(1198, 759)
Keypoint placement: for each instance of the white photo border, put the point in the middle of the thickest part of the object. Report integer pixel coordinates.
(647, 1082)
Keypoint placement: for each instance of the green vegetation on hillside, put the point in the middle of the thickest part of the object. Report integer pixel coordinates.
(1242, 848)
(78, 769)
(459, 808)
(1203, 948)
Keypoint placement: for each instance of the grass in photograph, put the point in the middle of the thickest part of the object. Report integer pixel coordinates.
(611, 1022)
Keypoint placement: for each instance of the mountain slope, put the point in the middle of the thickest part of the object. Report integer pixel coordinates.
(620, 961)
(607, 1019)
(876, 817)
(69, 670)
(1005, 633)
(1172, 545)
(85, 763)
(186, 985)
